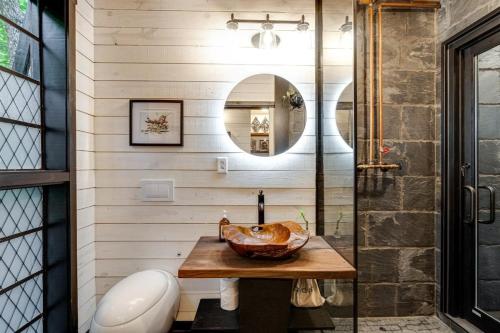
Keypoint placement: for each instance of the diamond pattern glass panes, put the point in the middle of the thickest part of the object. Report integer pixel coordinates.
(36, 327)
(20, 210)
(18, 51)
(19, 258)
(19, 99)
(20, 147)
(21, 12)
(21, 304)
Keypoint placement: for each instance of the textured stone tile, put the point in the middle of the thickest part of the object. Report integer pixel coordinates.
(437, 273)
(437, 232)
(489, 86)
(421, 24)
(488, 259)
(481, 9)
(417, 123)
(459, 9)
(488, 292)
(362, 124)
(489, 59)
(416, 264)
(392, 122)
(394, 23)
(418, 193)
(377, 300)
(419, 158)
(489, 121)
(416, 299)
(362, 228)
(379, 193)
(416, 158)
(409, 87)
(489, 234)
(438, 163)
(378, 265)
(484, 195)
(417, 53)
(400, 229)
(489, 157)
(391, 53)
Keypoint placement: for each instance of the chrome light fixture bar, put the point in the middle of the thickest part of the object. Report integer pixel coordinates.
(267, 38)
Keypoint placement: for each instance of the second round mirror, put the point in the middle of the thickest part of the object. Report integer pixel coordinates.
(265, 115)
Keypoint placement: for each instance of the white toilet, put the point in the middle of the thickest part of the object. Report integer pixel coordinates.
(144, 302)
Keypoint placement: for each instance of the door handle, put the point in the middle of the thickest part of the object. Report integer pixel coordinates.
(472, 211)
(491, 191)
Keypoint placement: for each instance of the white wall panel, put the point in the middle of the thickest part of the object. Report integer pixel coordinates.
(85, 163)
(143, 49)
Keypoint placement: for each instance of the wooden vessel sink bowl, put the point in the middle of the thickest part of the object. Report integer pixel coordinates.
(275, 241)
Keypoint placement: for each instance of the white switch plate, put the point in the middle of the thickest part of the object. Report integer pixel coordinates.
(222, 165)
(157, 189)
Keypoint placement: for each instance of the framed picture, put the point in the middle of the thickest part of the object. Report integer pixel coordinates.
(156, 122)
(264, 146)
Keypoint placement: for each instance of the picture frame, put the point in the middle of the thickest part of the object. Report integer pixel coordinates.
(156, 122)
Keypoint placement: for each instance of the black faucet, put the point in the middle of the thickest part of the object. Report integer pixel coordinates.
(260, 207)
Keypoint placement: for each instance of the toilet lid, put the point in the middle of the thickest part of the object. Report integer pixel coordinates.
(131, 297)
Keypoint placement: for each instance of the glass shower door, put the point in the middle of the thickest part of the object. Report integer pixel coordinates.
(487, 240)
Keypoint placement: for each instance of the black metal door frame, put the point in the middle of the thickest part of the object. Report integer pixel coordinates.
(458, 170)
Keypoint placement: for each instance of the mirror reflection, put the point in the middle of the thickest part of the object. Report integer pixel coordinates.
(344, 114)
(265, 115)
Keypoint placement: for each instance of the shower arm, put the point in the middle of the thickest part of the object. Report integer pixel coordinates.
(372, 163)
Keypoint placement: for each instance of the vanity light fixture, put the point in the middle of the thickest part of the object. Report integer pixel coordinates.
(267, 38)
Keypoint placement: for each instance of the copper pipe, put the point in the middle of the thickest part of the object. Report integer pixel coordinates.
(383, 167)
(380, 91)
(412, 4)
(372, 87)
(408, 5)
(419, 4)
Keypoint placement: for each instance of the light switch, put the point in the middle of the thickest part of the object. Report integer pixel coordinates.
(222, 165)
(157, 189)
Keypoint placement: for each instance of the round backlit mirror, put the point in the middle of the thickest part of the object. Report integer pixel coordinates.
(344, 114)
(265, 115)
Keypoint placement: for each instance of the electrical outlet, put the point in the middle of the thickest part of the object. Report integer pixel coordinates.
(222, 165)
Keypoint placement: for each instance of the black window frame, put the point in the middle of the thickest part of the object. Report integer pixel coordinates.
(57, 176)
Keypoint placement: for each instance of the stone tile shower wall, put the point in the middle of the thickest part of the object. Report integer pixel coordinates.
(396, 209)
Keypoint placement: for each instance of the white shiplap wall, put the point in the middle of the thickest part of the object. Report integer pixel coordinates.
(180, 50)
(85, 162)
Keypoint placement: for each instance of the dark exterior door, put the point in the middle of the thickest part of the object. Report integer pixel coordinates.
(471, 176)
(481, 172)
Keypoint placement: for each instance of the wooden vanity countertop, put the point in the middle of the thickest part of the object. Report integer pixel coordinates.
(316, 260)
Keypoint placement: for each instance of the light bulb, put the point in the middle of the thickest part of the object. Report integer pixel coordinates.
(304, 37)
(304, 40)
(232, 32)
(346, 38)
(268, 39)
(232, 40)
